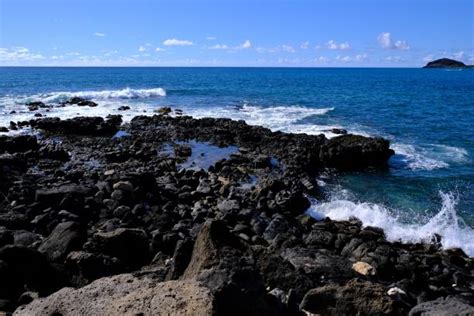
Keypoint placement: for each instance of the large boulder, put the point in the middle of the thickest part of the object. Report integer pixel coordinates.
(25, 268)
(94, 126)
(64, 238)
(129, 245)
(56, 194)
(125, 295)
(355, 151)
(356, 297)
(214, 244)
(81, 102)
(220, 262)
(87, 267)
(20, 143)
(444, 307)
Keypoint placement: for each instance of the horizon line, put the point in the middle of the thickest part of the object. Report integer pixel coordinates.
(177, 66)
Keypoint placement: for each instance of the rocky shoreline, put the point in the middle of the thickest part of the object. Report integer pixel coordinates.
(181, 216)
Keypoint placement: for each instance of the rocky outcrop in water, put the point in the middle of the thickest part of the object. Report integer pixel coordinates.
(206, 217)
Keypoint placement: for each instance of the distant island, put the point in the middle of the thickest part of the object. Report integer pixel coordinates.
(446, 63)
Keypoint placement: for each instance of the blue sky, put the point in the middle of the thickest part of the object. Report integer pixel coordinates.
(351, 33)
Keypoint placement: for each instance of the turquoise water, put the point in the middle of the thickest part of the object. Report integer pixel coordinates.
(426, 113)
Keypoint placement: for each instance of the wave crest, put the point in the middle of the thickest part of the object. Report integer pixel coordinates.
(276, 118)
(427, 157)
(452, 229)
(127, 93)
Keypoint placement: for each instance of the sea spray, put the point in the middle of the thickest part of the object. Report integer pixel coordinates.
(452, 229)
(127, 93)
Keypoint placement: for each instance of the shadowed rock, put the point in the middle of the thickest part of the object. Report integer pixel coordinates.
(79, 126)
(357, 297)
(64, 238)
(354, 151)
(443, 307)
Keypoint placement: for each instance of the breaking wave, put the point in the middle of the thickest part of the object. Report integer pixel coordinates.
(427, 157)
(452, 229)
(127, 93)
(277, 118)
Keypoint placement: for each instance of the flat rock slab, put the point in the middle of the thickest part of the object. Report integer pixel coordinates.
(125, 295)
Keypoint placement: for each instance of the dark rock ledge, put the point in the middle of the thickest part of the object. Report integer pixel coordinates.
(101, 225)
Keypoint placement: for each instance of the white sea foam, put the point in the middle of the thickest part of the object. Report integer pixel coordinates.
(451, 153)
(291, 119)
(429, 156)
(108, 103)
(415, 159)
(453, 231)
(127, 93)
(278, 118)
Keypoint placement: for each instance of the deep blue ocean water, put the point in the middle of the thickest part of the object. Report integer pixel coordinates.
(428, 115)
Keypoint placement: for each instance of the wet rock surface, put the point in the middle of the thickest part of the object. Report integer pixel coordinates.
(135, 224)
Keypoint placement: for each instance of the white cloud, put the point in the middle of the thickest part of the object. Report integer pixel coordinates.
(159, 49)
(386, 42)
(267, 50)
(141, 49)
(99, 34)
(177, 42)
(219, 46)
(333, 45)
(356, 58)
(428, 58)
(343, 58)
(110, 53)
(393, 58)
(211, 38)
(246, 45)
(15, 54)
(361, 57)
(293, 61)
(459, 55)
(288, 48)
(304, 45)
(321, 59)
(402, 45)
(280, 48)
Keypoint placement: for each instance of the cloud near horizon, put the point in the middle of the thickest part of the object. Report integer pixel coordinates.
(304, 45)
(333, 45)
(177, 42)
(140, 55)
(219, 46)
(15, 54)
(246, 45)
(356, 58)
(386, 42)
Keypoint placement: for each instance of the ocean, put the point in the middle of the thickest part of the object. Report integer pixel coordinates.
(427, 114)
